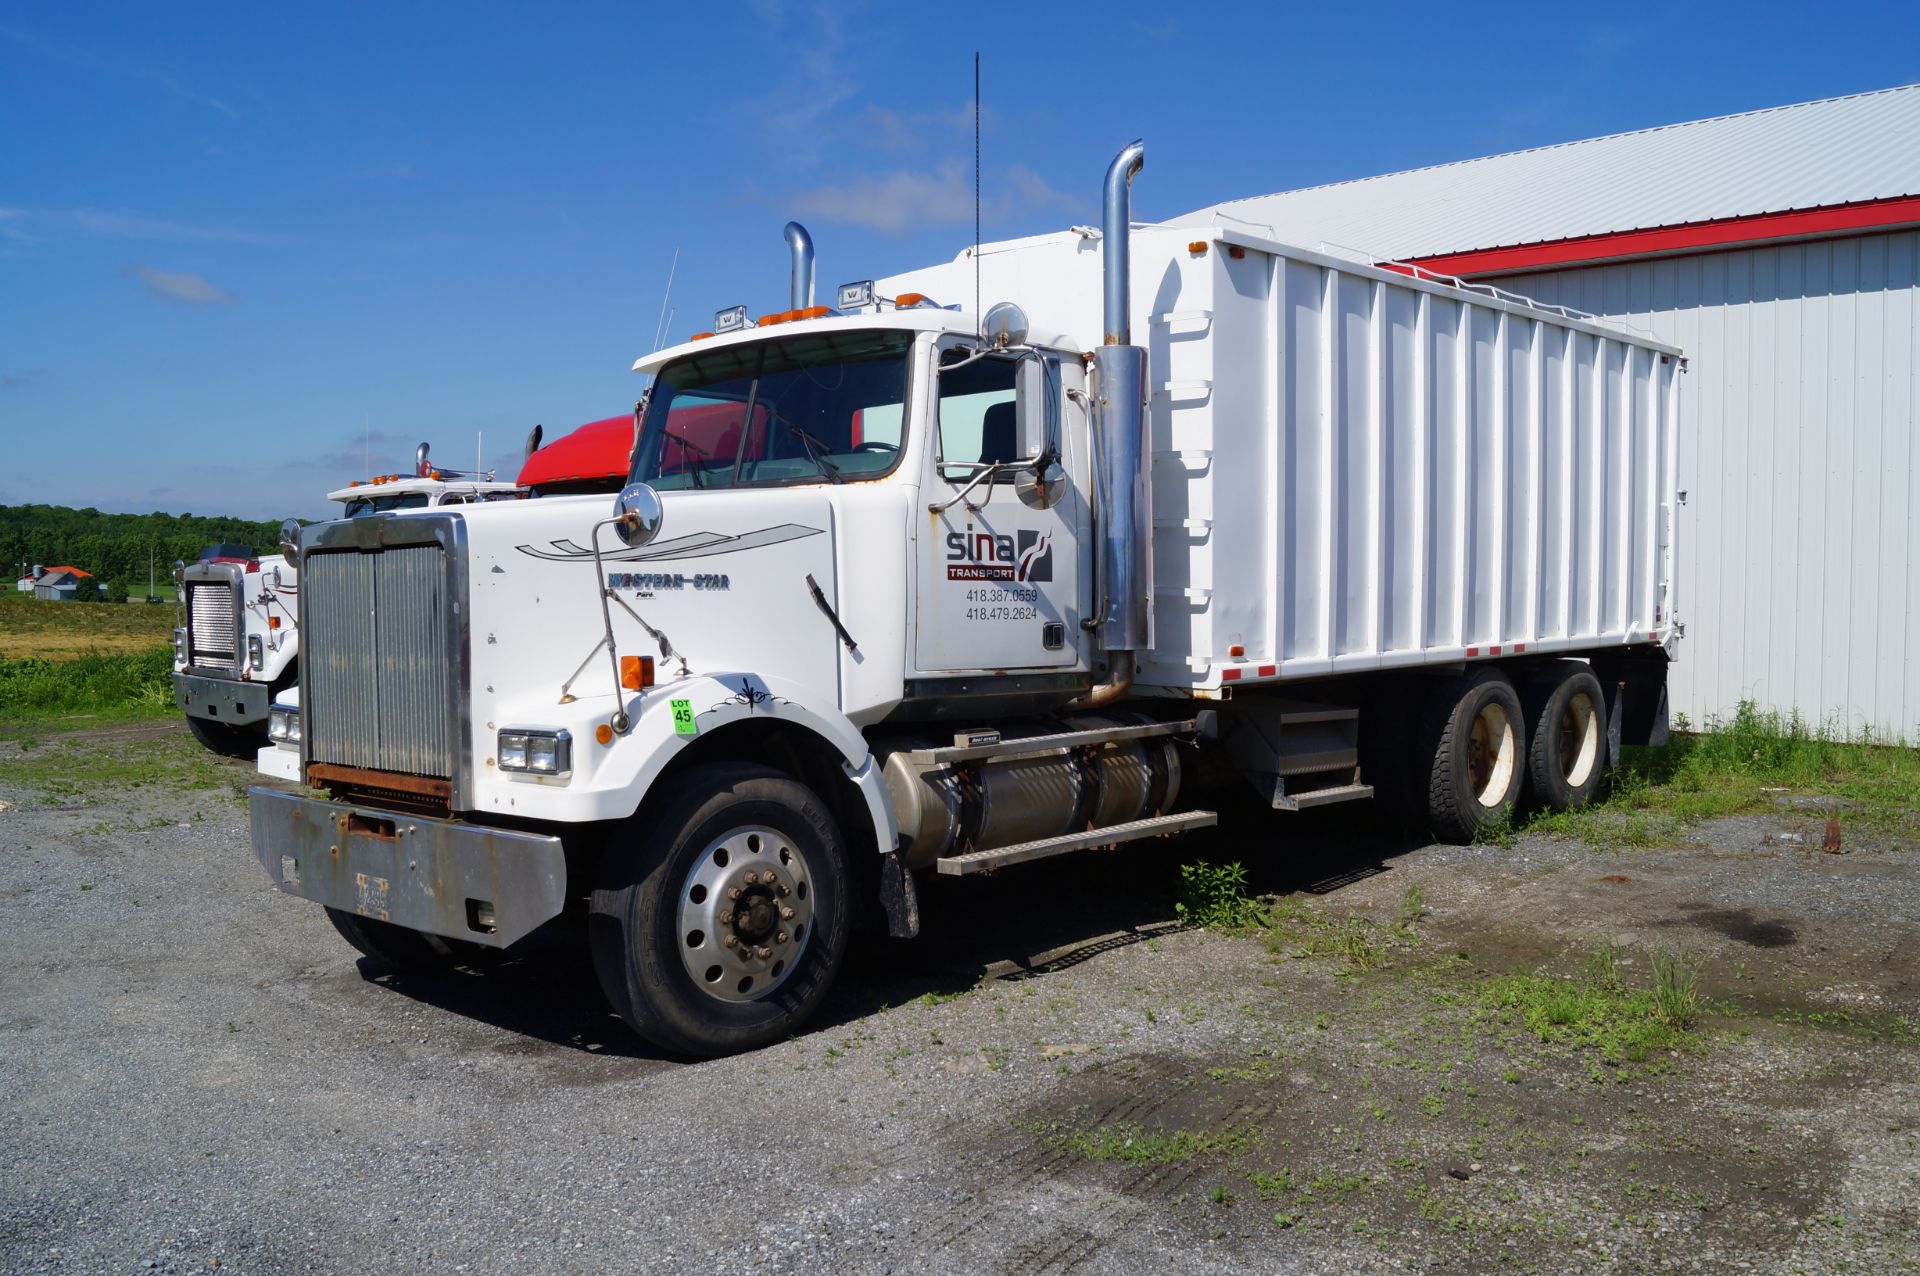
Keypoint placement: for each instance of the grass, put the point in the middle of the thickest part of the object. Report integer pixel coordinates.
(35, 628)
(79, 772)
(1598, 1011)
(1729, 767)
(121, 685)
(1134, 1143)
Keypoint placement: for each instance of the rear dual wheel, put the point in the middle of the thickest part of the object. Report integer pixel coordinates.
(1473, 738)
(1567, 721)
(720, 921)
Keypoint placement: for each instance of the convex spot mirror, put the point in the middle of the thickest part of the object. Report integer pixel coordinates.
(637, 513)
(420, 465)
(290, 538)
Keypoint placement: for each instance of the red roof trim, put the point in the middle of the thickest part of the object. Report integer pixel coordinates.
(1726, 232)
(75, 570)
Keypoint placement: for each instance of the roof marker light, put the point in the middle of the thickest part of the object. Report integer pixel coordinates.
(730, 320)
(855, 296)
(909, 300)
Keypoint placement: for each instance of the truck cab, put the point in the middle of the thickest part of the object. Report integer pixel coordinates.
(237, 645)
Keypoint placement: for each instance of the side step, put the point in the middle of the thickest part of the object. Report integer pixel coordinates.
(987, 861)
(1036, 745)
(1322, 797)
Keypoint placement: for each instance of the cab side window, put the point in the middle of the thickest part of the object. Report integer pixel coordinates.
(979, 416)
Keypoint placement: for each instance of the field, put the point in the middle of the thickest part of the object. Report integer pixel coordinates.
(30, 627)
(1678, 1033)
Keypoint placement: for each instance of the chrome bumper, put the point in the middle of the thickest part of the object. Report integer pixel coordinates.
(465, 881)
(228, 700)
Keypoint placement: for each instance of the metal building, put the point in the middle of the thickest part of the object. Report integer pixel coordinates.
(1781, 250)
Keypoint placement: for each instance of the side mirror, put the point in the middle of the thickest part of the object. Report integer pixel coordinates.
(533, 439)
(1005, 325)
(290, 538)
(1041, 485)
(637, 514)
(420, 465)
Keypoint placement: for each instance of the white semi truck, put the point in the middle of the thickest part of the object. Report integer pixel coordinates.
(898, 590)
(236, 648)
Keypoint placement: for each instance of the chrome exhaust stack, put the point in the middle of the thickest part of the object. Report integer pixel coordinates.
(801, 289)
(1121, 426)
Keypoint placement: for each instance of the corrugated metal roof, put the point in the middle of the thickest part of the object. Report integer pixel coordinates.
(1837, 151)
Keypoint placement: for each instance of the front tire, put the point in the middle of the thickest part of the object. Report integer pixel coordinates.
(718, 924)
(1473, 738)
(406, 950)
(226, 739)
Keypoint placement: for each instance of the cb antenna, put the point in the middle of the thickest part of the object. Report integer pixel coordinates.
(976, 192)
(660, 328)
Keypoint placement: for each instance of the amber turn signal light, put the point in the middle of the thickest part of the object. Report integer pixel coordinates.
(636, 672)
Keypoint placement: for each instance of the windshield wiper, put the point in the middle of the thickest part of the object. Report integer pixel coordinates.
(699, 472)
(816, 451)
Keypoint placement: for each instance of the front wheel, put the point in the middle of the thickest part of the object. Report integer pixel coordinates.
(719, 923)
(226, 739)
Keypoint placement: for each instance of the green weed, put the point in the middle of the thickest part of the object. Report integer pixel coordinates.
(1215, 896)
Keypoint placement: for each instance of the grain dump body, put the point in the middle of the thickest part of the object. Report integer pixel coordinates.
(1356, 469)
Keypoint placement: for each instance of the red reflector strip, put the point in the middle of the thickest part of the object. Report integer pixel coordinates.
(1519, 647)
(1493, 651)
(1268, 671)
(1473, 651)
(1229, 675)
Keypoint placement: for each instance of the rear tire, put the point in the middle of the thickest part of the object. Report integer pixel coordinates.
(397, 946)
(225, 739)
(744, 853)
(1566, 737)
(1473, 740)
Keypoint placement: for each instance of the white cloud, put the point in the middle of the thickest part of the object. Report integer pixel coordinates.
(181, 288)
(895, 202)
(904, 200)
(109, 223)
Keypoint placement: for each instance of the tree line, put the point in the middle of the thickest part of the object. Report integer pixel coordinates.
(115, 547)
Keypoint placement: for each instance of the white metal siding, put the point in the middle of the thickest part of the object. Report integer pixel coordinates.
(1799, 547)
(1837, 151)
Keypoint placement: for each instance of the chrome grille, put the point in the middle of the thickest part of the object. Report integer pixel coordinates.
(378, 678)
(212, 636)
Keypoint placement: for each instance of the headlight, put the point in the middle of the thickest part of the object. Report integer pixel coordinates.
(283, 723)
(536, 752)
(256, 652)
(179, 646)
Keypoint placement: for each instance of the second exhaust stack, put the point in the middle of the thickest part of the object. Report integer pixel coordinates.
(1124, 431)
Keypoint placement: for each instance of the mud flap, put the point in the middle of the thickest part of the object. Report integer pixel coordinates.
(898, 898)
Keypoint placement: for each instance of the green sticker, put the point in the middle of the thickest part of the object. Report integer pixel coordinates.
(683, 718)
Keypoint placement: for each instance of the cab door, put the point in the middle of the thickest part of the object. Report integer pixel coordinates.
(1000, 567)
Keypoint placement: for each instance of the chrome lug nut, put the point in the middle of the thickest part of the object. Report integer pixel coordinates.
(780, 938)
(733, 892)
(786, 913)
(731, 941)
(726, 918)
(763, 953)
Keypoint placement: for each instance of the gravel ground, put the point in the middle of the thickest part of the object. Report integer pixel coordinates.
(197, 1073)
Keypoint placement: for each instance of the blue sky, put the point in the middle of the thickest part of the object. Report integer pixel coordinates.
(243, 245)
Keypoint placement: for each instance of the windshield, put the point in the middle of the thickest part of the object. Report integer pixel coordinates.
(361, 506)
(820, 408)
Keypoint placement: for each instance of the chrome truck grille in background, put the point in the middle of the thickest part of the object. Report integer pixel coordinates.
(379, 677)
(212, 628)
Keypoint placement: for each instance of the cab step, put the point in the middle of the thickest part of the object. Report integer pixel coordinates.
(1354, 792)
(1158, 826)
(982, 746)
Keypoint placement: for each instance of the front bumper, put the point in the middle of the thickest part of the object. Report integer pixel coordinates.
(464, 881)
(229, 700)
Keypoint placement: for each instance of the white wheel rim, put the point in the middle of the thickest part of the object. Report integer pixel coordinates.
(1490, 756)
(1579, 739)
(751, 887)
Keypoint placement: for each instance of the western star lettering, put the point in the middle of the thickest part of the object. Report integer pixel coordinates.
(656, 581)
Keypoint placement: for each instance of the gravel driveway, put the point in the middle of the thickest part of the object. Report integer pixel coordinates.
(197, 1073)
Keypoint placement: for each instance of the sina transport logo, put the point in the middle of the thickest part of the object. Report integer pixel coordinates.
(982, 555)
